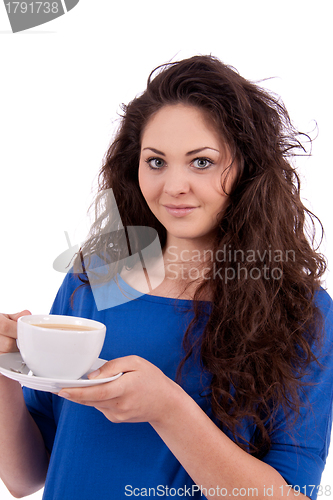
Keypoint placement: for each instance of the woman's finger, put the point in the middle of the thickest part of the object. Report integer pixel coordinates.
(118, 365)
(7, 344)
(93, 394)
(8, 323)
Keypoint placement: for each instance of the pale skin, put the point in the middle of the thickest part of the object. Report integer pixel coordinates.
(144, 393)
(23, 457)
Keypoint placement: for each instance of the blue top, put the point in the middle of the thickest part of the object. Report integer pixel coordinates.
(93, 458)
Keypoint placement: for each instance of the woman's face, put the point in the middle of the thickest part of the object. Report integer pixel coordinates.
(181, 171)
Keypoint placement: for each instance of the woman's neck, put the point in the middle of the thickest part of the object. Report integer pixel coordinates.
(188, 258)
(185, 265)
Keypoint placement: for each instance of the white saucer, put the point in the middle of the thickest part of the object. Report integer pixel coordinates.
(14, 361)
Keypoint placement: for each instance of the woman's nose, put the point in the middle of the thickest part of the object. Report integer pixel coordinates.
(176, 182)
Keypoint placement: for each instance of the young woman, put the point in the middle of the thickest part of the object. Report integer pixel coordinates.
(227, 362)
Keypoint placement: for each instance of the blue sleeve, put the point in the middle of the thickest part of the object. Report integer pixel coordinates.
(40, 403)
(40, 407)
(299, 454)
(64, 303)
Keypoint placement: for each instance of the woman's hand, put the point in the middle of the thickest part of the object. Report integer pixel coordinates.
(8, 331)
(142, 394)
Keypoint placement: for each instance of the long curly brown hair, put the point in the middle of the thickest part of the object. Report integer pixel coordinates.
(264, 325)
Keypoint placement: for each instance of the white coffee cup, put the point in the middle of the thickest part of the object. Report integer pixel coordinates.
(57, 353)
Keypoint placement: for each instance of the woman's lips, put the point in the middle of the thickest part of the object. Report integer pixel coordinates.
(179, 211)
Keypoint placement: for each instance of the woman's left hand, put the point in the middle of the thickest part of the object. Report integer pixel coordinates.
(142, 394)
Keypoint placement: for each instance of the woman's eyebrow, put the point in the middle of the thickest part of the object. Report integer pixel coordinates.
(195, 151)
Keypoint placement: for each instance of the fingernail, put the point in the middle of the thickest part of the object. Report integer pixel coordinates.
(94, 374)
(64, 394)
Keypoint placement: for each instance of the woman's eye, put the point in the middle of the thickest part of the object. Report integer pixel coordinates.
(202, 163)
(155, 163)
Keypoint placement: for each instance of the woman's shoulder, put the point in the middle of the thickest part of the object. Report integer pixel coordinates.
(62, 303)
(325, 303)
(70, 282)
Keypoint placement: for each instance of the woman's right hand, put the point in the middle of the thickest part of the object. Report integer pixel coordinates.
(8, 331)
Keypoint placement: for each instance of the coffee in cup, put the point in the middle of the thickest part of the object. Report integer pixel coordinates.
(69, 327)
(62, 347)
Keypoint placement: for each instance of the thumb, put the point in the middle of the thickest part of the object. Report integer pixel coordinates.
(16, 316)
(113, 367)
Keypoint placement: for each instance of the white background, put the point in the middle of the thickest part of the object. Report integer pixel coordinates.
(60, 89)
